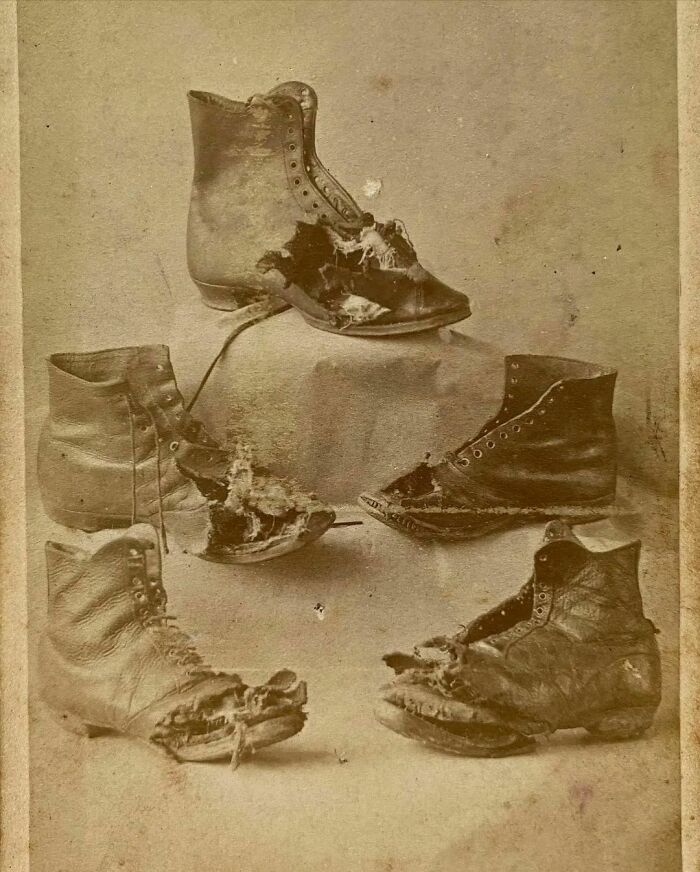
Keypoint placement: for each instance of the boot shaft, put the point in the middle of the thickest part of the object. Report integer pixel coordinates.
(552, 443)
(107, 647)
(256, 174)
(106, 453)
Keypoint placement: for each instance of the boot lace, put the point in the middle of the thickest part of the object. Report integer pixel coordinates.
(188, 425)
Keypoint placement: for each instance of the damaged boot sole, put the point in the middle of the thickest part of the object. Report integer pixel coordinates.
(462, 740)
(474, 523)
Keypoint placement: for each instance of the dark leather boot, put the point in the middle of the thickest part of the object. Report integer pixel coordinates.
(266, 217)
(550, 452)
(571, 649)
(111, 660)
(119, 447)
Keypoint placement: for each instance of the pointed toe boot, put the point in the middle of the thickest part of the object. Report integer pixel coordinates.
(571, 649)
(267, 218)
(550, 452)
(112, 661)
(119, 447)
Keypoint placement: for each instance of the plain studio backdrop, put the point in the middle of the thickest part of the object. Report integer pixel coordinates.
(530, 148)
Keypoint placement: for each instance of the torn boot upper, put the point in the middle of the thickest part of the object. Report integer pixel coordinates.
(265, 214)
(572, 649)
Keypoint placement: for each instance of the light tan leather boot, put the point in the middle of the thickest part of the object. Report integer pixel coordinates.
(112, 661)
(119, 446)
(266, 217)
(571, 649)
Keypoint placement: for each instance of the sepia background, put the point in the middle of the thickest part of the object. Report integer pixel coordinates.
(531, 149)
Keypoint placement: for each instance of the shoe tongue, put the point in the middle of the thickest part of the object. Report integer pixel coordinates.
(557, 531)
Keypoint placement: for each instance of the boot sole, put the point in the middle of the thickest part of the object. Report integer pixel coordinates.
(612, 726)
(257, 736)
(412, 726)
(490, 521)
(226, 298)
(92, 523)
(321, 522)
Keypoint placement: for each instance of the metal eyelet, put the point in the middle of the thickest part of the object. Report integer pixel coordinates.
(293, 164)
(140, 596)
(292, 147)
(315, 205)
(305, 193)
(516, 428)
(463, 461)
(490, 444)
(542, 596)
(503, 434)
(539, 610)
(530, 421)
(174, 445)
(290, 130)
(542, 558)
(477, 453)
(297, 181)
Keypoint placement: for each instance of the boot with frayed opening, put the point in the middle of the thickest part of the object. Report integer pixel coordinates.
(120, 447)
(572, 649)
(550, 452)
(111, 660)
(266, 217)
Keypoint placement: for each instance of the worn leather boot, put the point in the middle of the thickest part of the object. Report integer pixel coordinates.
(119, 447)
(550, 452)
(266, 217)
(571, 649)
(111, 660)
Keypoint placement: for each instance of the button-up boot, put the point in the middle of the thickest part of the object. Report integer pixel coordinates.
(572, 649)
(550, 452)
(111, 660)
(266, 217)
(119, 447)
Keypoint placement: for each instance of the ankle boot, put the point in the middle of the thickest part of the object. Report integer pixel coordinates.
(571, 649)
(549, 452)
(119, 447)
(266, 217)
(111, 660)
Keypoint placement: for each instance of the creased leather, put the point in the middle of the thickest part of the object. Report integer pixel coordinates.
(572, 646)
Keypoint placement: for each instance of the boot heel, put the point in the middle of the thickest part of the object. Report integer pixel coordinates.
(623, 723)
(73, 724)
(228, 298)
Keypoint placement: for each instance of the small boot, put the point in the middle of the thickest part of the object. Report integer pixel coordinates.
(571, 649)
(550, 452)
(112, 661)
(266, 217)
(119, 447)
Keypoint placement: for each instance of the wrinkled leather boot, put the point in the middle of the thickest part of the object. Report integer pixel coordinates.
(550, 452)
(571, 649)
(266, 217)
(111, 660)
(119, 447)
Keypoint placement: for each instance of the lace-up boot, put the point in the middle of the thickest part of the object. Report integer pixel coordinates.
(119, 447)
(111, 660)
(550, 452)
(572, 649)
(266, 217)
